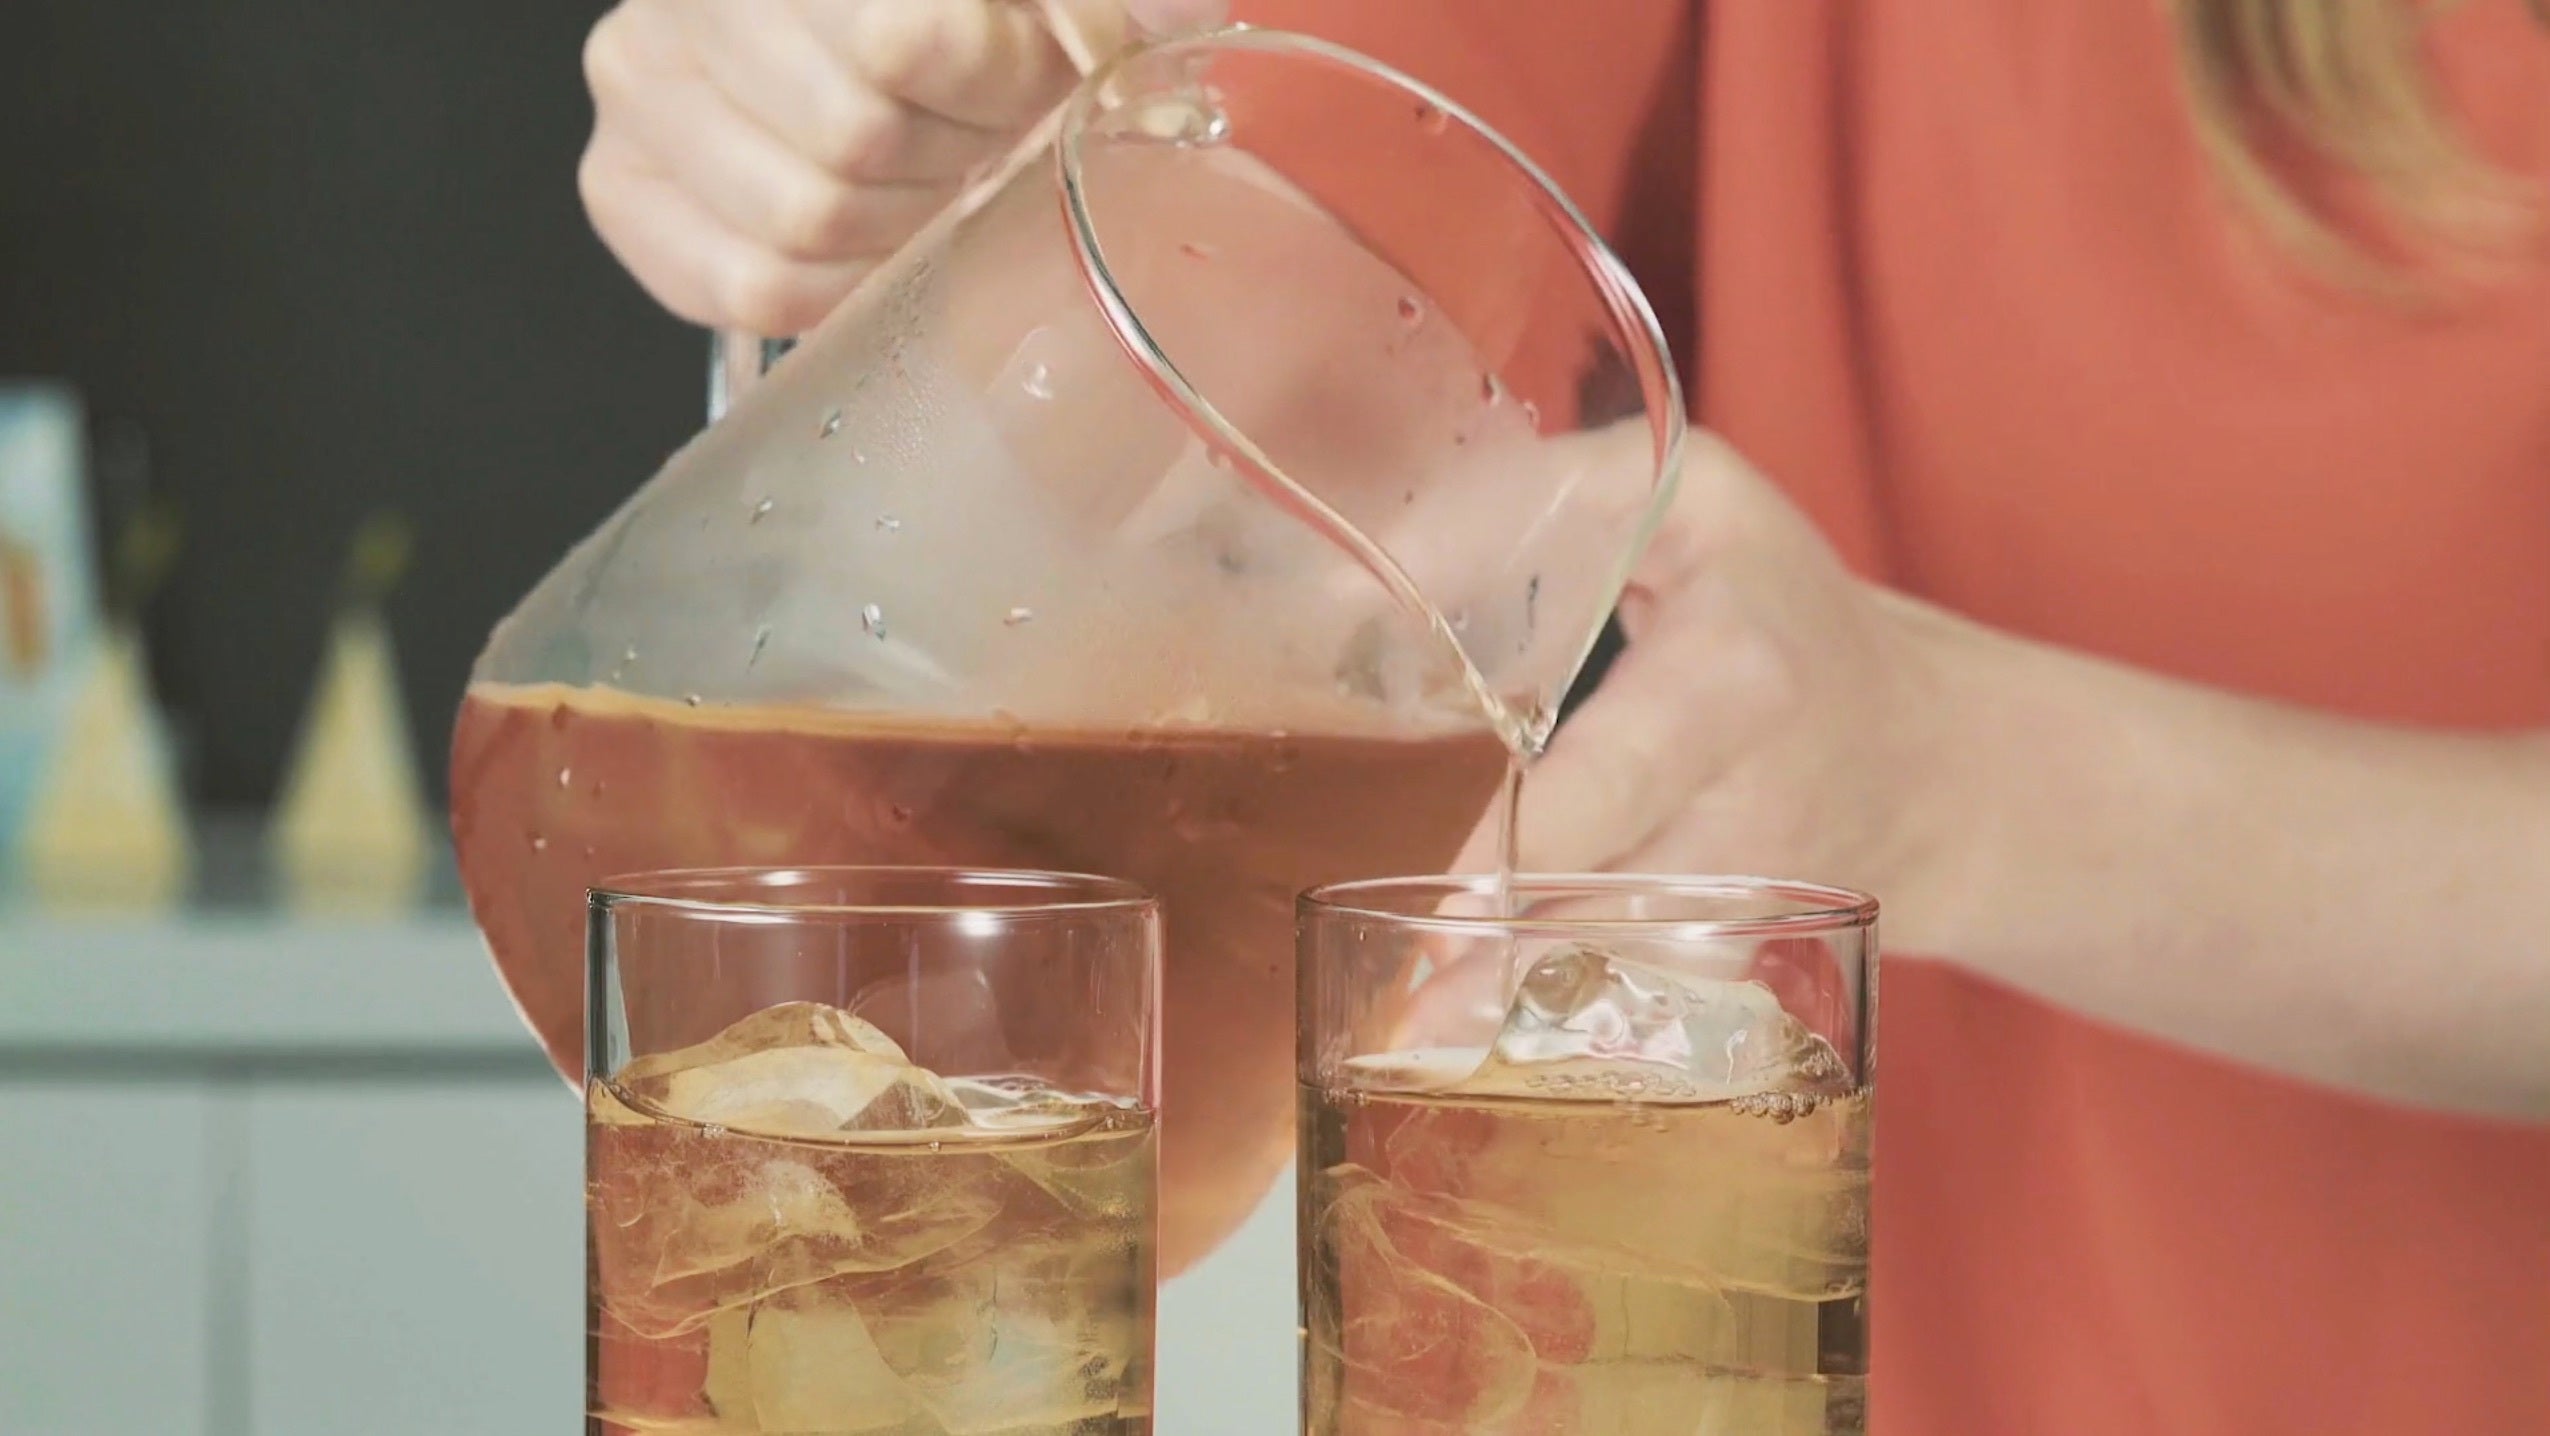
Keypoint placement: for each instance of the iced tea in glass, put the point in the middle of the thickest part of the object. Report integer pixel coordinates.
(870, 1150)
(1585, 1155)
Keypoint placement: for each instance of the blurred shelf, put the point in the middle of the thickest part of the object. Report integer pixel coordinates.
(239, 983)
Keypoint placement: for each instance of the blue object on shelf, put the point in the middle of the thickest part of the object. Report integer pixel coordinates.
(49, 611)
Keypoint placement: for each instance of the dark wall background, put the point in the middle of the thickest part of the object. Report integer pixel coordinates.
(327, 254)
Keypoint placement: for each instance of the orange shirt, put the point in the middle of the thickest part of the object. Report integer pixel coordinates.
(1959, 277)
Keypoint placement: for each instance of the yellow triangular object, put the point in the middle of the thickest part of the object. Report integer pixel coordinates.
(350, 833)
(107, 829)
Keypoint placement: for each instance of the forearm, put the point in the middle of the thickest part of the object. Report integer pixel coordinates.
(2351, 903)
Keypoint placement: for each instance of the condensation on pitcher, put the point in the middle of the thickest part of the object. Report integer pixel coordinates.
(1191, 116)
(831, 425)
(889, 524)
(872, 618)
(1038, 381)
(1412, 311)
(539, 844)
(1432, 120)
(761, 640)
(566, 776)
(761, 510)
(1018, 615)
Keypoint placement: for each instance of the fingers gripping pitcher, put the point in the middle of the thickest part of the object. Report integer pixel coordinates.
(1213, 498)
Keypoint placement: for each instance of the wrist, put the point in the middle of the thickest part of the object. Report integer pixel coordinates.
(2035, 778)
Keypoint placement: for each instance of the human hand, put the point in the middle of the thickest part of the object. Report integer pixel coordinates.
(752, 159)
(1772, 715)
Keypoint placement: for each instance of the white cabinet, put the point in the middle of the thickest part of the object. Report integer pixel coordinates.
(416, 1259)
(106, 1305)
(277, 1180)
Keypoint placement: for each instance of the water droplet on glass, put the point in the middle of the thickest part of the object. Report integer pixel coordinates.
(1038, 382)
(831, 424)
(888, 523)
(1531, 413)
(761, 640)
(629, 654)
(761, 510)
(1194, 250)
(858, 456)
(872, 618)
(1432, 119)
(566, 776)
(1411, 313)
(1017, 616)
(539, 844)
(690, 700)
(1491, 389)
(1217, 458)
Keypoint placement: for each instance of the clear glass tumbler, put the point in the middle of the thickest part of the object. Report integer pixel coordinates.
(1590, 1156)
(870, 1150)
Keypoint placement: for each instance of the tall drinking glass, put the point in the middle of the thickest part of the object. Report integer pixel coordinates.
(870, 1150)
(1592, 1157)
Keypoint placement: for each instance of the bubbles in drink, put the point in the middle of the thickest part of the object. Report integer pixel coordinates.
(1587, 1022)
(797, 1229)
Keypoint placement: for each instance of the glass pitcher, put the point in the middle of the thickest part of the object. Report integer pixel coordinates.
(1216, 497)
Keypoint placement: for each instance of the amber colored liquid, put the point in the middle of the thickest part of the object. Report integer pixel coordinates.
(554, 788)
(742, 1284)
(1502, 1266)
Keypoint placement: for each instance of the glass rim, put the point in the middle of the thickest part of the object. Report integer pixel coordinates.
(1625, 303)
(1819, 907)
(1072, 894)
